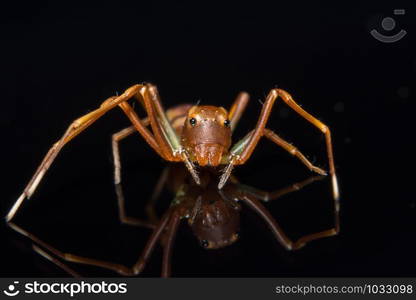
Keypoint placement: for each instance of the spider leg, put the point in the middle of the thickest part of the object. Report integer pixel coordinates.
(115, 140)
(147, 135)
(73, 130)
(247, 147)
(292, 150)
(161, 127)
(238, 148)
(164, 131)
(119, 268)
(122, 134)
(231, 160)
(237, 109)
(156, 123)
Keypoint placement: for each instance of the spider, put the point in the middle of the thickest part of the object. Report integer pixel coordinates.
(198, 136)
(212, 214)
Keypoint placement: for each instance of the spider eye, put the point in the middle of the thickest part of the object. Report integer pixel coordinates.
(192, 121)
(204, 243)
(227, 123)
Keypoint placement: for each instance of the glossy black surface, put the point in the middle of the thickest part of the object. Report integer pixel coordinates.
(59, 62)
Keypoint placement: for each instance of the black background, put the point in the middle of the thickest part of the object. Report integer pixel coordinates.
(60, 61)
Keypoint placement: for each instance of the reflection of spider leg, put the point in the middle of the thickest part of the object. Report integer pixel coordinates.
(252, 194)
(121, 269)
(270, 196)
(122, 211)
(150, 206)
(56, 261)
(264, 213)
(116, 138)
(302, 241)
(167, 251)
(154, 220)
(259, 208)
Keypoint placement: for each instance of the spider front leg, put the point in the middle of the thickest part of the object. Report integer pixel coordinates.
(73, 130)
(164, 130)
(240, 145)
(242, 150)
(237, 109)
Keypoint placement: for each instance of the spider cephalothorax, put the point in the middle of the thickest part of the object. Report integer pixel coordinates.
(206, 135)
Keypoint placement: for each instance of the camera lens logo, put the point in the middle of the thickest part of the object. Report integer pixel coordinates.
(388, 24)
(11, 289)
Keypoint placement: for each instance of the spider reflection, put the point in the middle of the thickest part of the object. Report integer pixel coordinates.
(212, 214)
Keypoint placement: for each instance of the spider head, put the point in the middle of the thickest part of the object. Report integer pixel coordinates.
(206, 134)
(216, 221)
